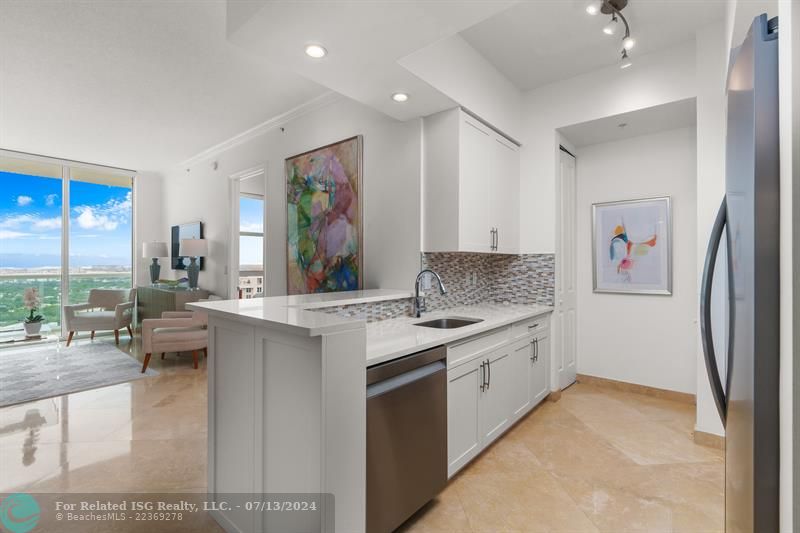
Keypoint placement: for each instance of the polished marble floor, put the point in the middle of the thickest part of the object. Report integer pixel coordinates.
(597, 460)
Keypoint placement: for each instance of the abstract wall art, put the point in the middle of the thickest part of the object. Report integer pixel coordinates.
(324, 218)
(632, 246)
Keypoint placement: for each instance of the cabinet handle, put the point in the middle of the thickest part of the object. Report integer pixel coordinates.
(533, 326)
(489, 382)
(496, 238)
(491, 239)
(483, 376)
(532, 360)
(536, 346)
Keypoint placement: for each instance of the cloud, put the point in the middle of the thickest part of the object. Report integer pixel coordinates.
(50, 200)
(8, 234)
(22, 200)
(107, 216)
(30, 222)
(88, 219)
(250, 226)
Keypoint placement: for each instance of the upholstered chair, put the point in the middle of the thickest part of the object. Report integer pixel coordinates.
(107, 309)
(175, 331)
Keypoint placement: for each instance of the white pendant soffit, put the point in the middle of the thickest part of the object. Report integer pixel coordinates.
(364, 41)
(645, 121)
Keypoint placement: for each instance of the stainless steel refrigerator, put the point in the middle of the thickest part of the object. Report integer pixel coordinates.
(747, 394)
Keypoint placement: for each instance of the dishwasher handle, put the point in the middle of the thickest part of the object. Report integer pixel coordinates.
(401, 380)
(384, 371)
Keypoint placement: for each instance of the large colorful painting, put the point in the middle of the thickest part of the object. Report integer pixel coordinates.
(324, 219)
(632, 247)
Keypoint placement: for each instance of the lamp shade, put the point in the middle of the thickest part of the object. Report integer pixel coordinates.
(154, 249)
(193, 248)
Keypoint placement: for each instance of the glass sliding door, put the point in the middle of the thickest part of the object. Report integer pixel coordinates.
(65, 228)
(31, 196)
(100, 232)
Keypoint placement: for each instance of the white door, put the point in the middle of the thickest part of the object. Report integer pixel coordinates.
(566, 300)
(474, 160)
(504, 185)
(495, 406)
(463, 432)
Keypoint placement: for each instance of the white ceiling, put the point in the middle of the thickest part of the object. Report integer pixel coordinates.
(538, 42)
(140, 85)
(364, 39)
(680, 114)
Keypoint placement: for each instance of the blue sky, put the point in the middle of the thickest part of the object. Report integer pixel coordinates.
(251, 216)
(30, 222)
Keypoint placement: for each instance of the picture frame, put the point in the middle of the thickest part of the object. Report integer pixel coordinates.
(324, 218)
(189, 230)
(632, 246)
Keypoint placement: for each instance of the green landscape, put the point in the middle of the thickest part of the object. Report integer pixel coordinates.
(12, 310)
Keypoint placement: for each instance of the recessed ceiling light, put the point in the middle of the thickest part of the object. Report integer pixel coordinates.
(316, 51)
(400, 97)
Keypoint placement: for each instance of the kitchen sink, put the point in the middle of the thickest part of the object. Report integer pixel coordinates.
(448, 322)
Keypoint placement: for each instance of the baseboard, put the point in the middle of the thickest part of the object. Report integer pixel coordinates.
(709, 439)
(554, 396)
(623, 386)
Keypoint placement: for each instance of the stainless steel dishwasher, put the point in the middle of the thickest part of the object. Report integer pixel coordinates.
(406, 436)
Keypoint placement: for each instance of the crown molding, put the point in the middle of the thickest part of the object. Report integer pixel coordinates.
(275, 122)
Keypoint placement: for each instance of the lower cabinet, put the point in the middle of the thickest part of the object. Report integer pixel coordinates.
(487, 394)
(464, 385)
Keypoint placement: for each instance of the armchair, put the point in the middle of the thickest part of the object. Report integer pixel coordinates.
(175, 331)
(107, 309)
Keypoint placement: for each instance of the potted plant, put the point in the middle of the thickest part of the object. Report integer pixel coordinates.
(33, 322)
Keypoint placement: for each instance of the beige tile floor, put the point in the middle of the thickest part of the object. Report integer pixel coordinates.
(597, 460)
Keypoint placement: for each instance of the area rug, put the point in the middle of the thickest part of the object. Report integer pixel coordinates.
(44, 371)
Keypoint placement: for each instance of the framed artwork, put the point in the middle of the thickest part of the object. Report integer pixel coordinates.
(632, 246)
(324, 218)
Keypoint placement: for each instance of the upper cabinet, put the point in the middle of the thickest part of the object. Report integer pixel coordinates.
(471, 186)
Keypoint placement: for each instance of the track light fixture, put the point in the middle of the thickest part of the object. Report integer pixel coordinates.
(614, 8)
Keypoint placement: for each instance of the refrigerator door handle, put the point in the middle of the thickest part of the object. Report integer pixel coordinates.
(705, 311)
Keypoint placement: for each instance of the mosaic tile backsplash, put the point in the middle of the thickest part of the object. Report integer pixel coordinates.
(470, 279)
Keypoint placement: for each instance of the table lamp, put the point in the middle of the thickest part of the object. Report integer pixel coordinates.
(154, 250)
(193, 248)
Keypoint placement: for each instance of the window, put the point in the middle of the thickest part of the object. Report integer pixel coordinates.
(37, 250)
(251, 244)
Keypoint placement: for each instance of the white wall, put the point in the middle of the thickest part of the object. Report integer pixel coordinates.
(654, 79)
(712, 67)
(391, 193)
(148, 223)
(648, 340)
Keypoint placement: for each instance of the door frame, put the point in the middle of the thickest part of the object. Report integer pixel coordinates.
(556, 344)
(234, 192)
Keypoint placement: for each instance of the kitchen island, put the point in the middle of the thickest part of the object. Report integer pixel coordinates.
(287, 395)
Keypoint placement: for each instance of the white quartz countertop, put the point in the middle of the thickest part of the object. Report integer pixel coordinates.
(296, 312)
(386, 339)
(390, 339)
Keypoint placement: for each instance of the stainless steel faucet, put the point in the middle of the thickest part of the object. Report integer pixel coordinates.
(419, 301)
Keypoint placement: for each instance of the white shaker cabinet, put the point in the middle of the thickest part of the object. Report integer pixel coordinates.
(471, 186)
(495, 412)
(493, 380)
(539, 368)
(464, 385)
